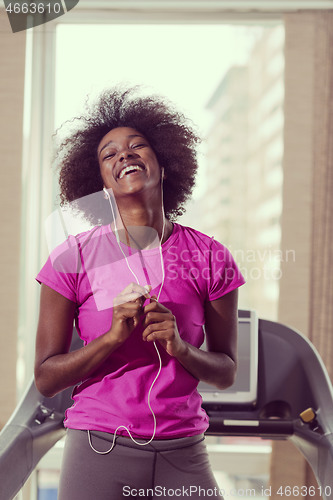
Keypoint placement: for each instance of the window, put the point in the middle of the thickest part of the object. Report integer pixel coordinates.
(193, 66)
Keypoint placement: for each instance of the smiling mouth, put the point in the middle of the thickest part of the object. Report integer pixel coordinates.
(130, 169)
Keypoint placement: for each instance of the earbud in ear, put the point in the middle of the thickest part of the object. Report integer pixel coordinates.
(162, 173)
(106, 194)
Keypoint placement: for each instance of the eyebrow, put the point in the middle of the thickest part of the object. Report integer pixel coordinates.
(111, 142)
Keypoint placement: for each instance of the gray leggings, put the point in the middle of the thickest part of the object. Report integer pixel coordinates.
(168, 468)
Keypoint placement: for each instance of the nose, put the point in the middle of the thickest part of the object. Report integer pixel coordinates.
(126, 153)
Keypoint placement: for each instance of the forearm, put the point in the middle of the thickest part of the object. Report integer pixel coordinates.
(215, 368)
(55, 367)
(60, 371)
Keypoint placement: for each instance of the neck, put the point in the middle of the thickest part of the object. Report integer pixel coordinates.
(139, 221)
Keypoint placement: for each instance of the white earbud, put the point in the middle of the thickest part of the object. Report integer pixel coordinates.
(106, 193)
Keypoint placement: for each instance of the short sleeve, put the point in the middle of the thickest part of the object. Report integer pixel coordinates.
(225, 275)
(61, 269)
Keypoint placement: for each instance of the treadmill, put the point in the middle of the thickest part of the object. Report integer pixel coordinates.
(282, 391)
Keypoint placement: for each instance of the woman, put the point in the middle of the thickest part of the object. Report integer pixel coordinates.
(136, 426)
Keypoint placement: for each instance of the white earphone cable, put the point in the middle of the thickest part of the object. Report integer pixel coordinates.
(156, 348)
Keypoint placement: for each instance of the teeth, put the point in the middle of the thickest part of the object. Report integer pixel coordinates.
(129, 169)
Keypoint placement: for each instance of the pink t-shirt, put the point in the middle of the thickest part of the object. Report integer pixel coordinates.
(90, 270)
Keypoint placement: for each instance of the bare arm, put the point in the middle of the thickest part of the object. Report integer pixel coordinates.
(55, 367)
(218, 365)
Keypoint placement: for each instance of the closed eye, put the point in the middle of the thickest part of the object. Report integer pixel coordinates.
(108, 156)
(140, 145)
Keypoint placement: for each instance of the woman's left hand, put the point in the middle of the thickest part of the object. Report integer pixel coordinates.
(160, 324)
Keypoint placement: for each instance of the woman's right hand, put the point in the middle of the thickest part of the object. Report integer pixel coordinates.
(55, 367)
(127, 311)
